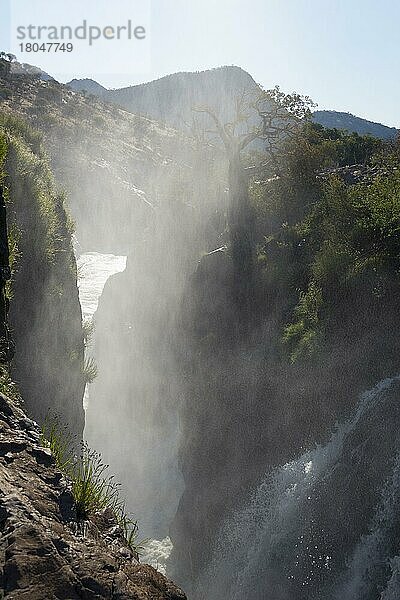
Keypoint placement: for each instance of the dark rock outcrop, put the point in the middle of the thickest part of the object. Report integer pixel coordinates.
(43, 554)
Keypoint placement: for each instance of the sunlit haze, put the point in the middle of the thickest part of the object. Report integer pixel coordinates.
(345, 55)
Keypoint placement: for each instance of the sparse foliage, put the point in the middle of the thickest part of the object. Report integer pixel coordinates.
(8, 387)
(89, 370)
(93, 488)
(88, 331)
(268, 116)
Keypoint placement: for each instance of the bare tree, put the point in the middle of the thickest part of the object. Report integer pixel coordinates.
(271, 116)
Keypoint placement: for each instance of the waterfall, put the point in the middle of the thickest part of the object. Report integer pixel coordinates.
(280, 545)
(94, 269)
(375, 559)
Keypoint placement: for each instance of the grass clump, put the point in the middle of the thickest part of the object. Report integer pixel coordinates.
(93, 488)
(89, 370)
(60, 441)
(88, 331)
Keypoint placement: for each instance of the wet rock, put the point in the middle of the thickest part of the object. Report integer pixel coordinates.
(43, 551)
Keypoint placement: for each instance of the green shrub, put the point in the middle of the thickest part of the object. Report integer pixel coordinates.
(15, 126)
(93, 490)
(302, 336)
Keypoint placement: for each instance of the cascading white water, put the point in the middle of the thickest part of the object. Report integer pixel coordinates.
(156, 553)
(374, 550)
(392, 591)
(249, 546)
(250, 540)
(94, 269)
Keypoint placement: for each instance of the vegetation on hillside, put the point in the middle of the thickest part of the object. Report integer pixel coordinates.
(329, 251)
(45, 313)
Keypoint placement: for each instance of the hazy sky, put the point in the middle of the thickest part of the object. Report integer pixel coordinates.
(345, 54)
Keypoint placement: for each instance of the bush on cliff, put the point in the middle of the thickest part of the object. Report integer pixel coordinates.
(329, 252)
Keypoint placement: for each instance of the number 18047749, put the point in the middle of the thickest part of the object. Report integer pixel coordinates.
(46, 47)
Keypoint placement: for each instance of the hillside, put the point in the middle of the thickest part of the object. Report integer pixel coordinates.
(24, 69)
(171, 99)
(342, 120)
(89, 86)
(111, 162)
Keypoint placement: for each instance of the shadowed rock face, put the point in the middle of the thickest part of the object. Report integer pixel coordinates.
(42, 555)
(244, 414)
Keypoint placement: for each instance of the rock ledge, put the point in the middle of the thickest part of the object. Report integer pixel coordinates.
(44, 555)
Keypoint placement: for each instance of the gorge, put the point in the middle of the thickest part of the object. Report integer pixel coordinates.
(256, 440)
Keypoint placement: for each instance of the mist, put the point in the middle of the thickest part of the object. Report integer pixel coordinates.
(239, 303)
(223, 449)
(142, 225)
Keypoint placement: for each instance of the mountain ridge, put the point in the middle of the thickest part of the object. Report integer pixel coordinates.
(334, 119)
(158, 98)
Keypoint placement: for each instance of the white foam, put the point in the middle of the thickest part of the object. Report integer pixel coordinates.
(93, 271)
(156, 553)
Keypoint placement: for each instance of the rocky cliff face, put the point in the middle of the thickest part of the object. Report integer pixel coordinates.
(45, 313)
(234, 388)
(43, 553)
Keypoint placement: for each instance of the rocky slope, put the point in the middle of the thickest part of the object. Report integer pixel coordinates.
(349, 122)
(112, 163)
(170, 99)
(44, 554)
